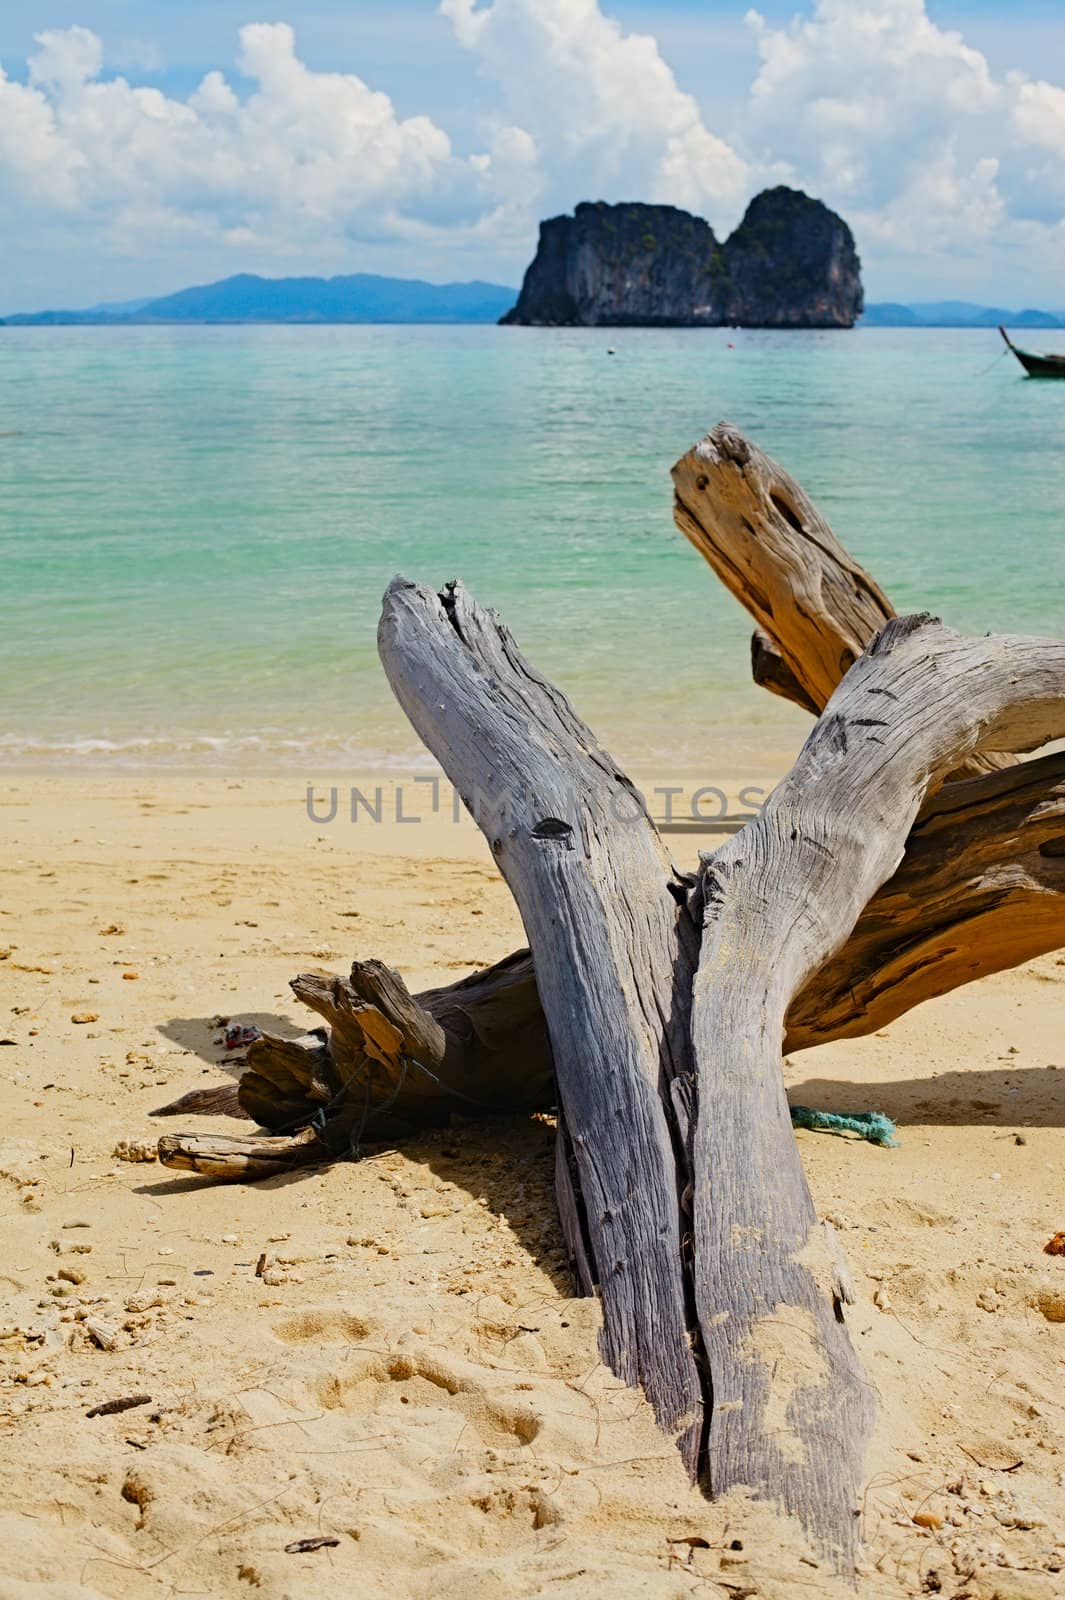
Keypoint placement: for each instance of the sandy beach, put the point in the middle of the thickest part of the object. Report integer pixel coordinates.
(410, 1379)
(564, 398)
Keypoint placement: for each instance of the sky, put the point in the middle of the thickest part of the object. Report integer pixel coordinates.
(145, 146)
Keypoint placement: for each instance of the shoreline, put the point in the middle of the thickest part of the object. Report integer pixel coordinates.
(719, 752)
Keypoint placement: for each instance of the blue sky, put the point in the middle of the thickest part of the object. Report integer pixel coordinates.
(417, 138)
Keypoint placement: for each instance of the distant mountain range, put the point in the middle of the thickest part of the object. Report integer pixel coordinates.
(956, 314)
(362, 297)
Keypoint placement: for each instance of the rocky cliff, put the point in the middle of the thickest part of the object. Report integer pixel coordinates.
(791, 263)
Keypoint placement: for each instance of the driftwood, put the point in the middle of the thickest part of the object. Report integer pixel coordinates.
(215, 1157)
(770, 671)
(792, 1409)
(872, 880)
(400, 1061)
(391, 1063)
(815, 608)
(586, 867)
(980, 889)
(217, 1100)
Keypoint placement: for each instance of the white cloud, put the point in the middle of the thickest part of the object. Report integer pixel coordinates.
(314, 163)
(950, 170)
(904, 127)
(306, 159)
(602, 107)
(67, 58)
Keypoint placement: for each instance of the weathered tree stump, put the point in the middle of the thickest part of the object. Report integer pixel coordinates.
(652, 1007)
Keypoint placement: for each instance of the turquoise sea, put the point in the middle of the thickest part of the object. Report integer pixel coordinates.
(196, 524)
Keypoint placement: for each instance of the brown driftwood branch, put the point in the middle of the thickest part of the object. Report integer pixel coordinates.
(213, 1156)
(402, 1061)
(770, 671)
(792, 1409)
(216, 1100)
(390, 1063)
(815, 608)
(980, 889)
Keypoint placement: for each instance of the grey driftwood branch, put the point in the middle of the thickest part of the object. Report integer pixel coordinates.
(591, 879)
(791, 1407)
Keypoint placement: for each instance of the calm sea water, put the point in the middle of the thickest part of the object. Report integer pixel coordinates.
(196, 525)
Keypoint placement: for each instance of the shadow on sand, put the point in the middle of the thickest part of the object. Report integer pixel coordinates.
(1011, 1097)
(205, 1036)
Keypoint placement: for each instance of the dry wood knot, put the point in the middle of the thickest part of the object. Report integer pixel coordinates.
(552, 828)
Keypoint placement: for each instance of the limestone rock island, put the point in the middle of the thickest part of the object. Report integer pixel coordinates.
(791, 263)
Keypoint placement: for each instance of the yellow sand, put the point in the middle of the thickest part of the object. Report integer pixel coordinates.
(410, 1377)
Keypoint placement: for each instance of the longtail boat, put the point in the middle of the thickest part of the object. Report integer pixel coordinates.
(1036, 366)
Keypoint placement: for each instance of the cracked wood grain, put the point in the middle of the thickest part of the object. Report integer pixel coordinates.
(792, 1408)
(613, 965)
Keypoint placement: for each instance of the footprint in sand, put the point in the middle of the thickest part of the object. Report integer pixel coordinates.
(324, 1325)
(387, 1382)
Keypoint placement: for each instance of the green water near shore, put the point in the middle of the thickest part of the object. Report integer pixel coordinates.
(196, 524)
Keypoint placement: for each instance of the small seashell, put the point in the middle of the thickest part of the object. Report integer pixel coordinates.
(34, 1377)
(144, 1302)
(927, 1519)
(85, 1016)
(105, 1334)
(134, 1150)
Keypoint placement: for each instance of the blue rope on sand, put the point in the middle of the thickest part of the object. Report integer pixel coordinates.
(871, 1125)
